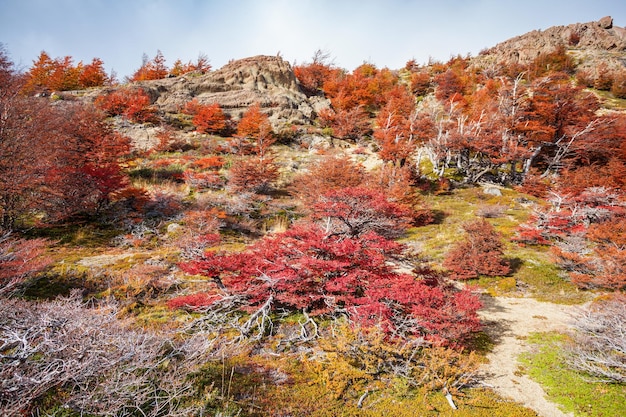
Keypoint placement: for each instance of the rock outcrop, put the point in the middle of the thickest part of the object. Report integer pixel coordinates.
(586, 41)
(268, 80)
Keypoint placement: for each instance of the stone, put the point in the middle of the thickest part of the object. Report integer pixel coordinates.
(606, 22)
(494, 191)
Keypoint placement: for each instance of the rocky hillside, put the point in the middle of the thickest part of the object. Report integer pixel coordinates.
(268, 80)
(589, 42)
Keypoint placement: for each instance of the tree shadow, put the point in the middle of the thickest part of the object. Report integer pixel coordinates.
(438, 216)
(515, 264)
(493, 330)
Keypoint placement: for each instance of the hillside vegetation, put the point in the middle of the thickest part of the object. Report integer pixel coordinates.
(263, 240)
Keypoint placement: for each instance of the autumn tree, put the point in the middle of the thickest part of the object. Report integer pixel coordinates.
(254, 173)
(400, 186)
(327, 174)
(618, 89)
(151, 69)
(60, 74)
(255, 128)
(132, 103)
(395, 127)
(346, 124)
(305, 269)
(93, 74)
(201, 66)
(479, 254)
(207, 118)
(313, 75)
(20, 259)
(55, 161)
(353, 211)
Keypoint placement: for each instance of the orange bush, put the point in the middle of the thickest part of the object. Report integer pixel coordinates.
(132, 103)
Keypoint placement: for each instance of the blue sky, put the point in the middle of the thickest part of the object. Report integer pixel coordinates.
(386, 33)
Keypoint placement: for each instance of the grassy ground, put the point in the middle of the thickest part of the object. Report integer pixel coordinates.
(534, 273)
(577, 393)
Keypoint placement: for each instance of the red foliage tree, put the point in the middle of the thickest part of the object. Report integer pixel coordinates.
(479, 254)
(329, 173)
(365, 88)
(93, 74)
(354, 211)
(398, 184)
(312, 76)
(54, 160)
(60, 74)
(19, 260)
(201, 66)
(346, 124)
(394, 131)
(618, 89)
(253, 174)
(306, 269)
(255, 127)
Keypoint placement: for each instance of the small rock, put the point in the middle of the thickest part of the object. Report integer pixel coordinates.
(173, 228)
(493, 191)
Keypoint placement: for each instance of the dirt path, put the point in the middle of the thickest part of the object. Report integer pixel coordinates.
(508, 321)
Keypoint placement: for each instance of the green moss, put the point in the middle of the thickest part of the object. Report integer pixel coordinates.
(574, 391)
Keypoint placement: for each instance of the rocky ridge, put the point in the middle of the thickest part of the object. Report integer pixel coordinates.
(588, 42)
(268, 80)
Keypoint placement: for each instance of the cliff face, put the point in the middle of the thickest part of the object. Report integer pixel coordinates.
(268, 80)
(588, 42)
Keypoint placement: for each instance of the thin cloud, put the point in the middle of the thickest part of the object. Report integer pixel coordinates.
(385, 33)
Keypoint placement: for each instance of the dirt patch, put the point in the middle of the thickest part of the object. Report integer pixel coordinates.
(508, 321)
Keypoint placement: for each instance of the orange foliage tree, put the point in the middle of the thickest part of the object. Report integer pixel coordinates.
(154, 69)
(256, 129)
(132, 103)
(207, 118)
(394, 130)
(312, 76)
(253, 174)
(201, 66)
(60, 74)
(329, 173)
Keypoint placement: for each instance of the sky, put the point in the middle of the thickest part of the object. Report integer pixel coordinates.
(386, 33)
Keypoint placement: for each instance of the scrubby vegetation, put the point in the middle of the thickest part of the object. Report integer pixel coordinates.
(235, 269)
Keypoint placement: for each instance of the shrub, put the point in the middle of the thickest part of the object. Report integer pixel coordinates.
(600, 341)
(479, 254)
(132, 103)
(253, 174)
(207, 118)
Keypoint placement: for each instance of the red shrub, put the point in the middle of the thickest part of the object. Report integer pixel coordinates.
(19, 260)
(479, 254)
(193, 301)
(306, 268)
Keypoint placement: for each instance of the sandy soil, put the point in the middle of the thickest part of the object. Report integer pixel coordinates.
(508, 321)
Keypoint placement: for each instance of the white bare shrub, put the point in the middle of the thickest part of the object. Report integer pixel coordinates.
(599, 346)
(91, 362)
